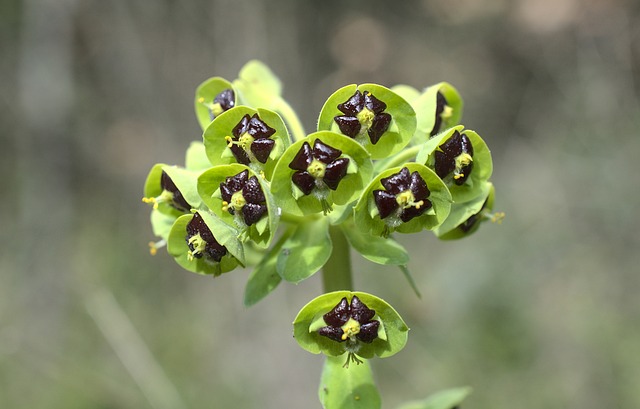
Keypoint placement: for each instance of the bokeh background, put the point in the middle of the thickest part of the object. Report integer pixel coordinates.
(542, 311)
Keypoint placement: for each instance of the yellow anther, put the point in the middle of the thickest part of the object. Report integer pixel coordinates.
(419, 204)
(229, 141)
(446, 112)
(153, 250)
(201, 100)
(217, 109)
(225, 205)
(151, 200)
(350, 329)
(458, 175)
(262, 175)
(498, 217)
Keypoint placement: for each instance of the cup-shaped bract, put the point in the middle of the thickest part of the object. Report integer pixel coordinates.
(374, 116)
(462, 159)
(172, 190)
(204, 244)
(213, 97)
(258, 86)
(350, 322)
(323, 169)
(405, 199)
(241, 199)
(465, 218)
(256, 138)
(438, 108)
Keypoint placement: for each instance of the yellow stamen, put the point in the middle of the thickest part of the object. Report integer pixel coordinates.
(225, 205)
(216, 109)
(151, 200)
(350, 329)
(446, 112)
(365, 117)
(498, 217)
(201, 100)
(152, 248)
(229, 141)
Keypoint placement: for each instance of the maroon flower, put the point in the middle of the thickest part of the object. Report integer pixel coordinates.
(363, 113)
(456, 155)
(177, 200)
(350, 322)
(317, 167)
(224, 101)
(243, 194)
(441, 103)
(405, 196)
(251, 140)
(201, 241)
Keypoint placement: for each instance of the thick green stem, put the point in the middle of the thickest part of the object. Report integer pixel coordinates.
(336, 273)
(292, 120)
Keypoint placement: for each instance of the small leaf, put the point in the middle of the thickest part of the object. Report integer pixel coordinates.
(305, 252)
(375, 248)
(196, 157)
(347, 388)
(264, 278)
(447, 399)
(258, 86)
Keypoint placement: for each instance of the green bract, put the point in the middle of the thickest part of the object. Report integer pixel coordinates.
(164, 200)
(256, 138)
(435, 114)
(481, 161)
(293, 200)
(206, 106)
(367, 213)
(465, 218)
(196, 157)
(392, 331)
(393, 136)
(209, 187)
(178, 247)
(258, 86)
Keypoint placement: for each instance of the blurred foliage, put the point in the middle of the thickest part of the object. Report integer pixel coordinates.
(539, 312)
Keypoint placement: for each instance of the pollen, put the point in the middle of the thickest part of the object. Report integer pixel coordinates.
(463, 160)
(229, 141)
(351, 328)
(151, 200)
(317, 169)
(201, 100)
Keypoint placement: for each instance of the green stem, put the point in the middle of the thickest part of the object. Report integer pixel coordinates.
(291, 118)
(336, 273)
(401, 158)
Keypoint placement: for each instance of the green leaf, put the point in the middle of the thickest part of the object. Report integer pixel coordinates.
(305, 252)
(264, 278)
(375, 248)
(205, 94)
(401, 128)
(392, 335)
(196, 157)
(447, 399)
(258, 86)
(347, 388)
(461, 212)
(425, 107)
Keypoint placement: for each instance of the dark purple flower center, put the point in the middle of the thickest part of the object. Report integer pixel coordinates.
(243, 195)
(177, 200)
(318, 166)
(201, 241)
(224, 101)
(350, 322)
(363, 113)
(441, 104)
(405, 196)
(251, 140)
(455, 157)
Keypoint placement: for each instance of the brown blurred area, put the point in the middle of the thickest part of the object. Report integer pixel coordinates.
(541, 311)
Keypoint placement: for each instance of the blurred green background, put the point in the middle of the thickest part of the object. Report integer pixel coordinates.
(542, 311)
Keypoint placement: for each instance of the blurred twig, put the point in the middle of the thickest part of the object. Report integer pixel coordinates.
(132, 351)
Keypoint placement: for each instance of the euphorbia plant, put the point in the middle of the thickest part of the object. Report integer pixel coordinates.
(259, 192)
